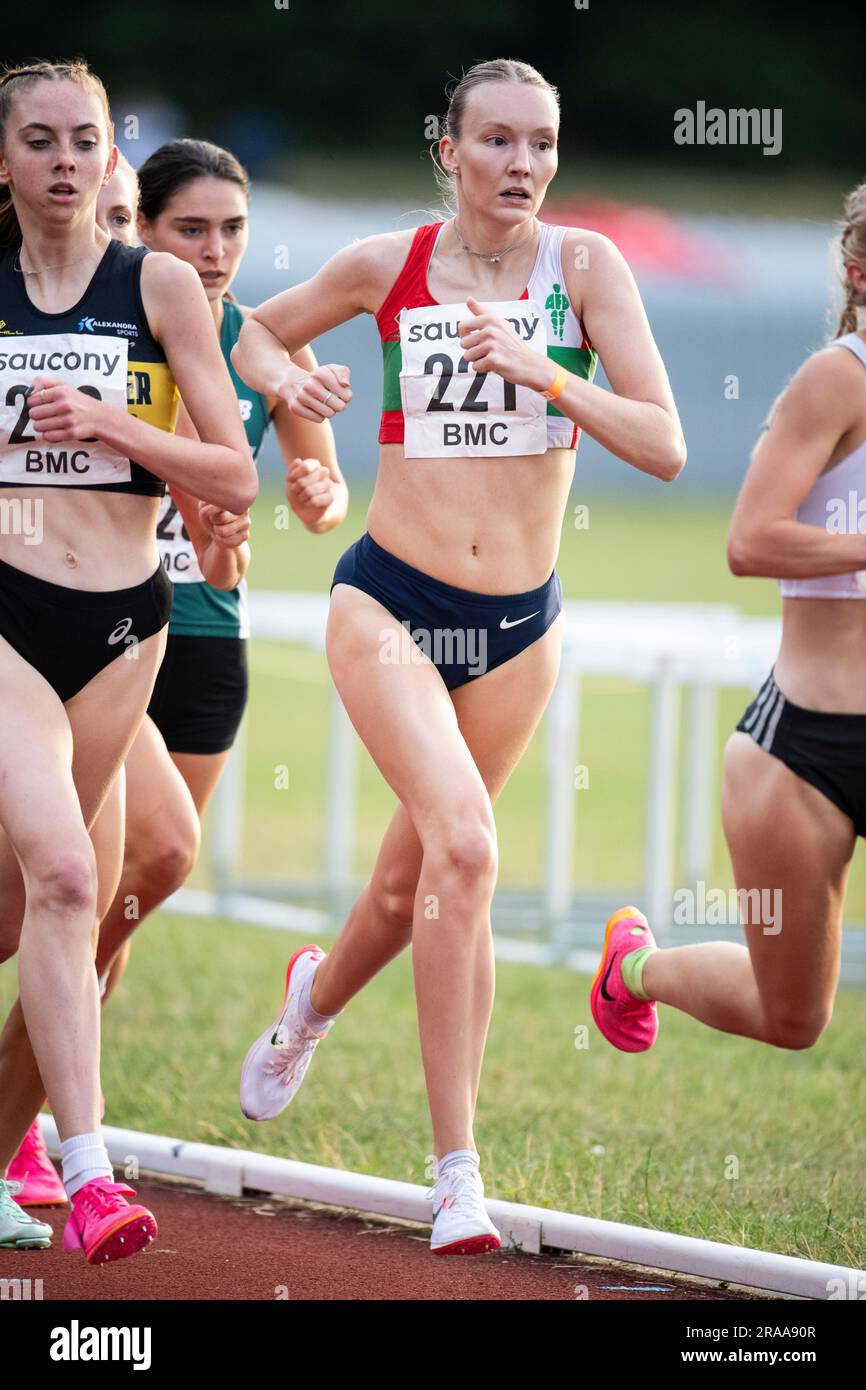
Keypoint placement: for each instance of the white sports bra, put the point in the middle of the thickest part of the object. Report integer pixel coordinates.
(834, 504)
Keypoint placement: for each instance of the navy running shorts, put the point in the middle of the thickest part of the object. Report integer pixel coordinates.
(465, 634)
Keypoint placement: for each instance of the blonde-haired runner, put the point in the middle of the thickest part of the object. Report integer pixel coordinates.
(445, 622)
(794, 792)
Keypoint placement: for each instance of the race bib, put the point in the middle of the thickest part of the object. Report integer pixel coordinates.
(176, 550)
(96, 364)
(448, 407)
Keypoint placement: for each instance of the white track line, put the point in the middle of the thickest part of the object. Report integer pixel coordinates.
(268, 912)
(233, 1171)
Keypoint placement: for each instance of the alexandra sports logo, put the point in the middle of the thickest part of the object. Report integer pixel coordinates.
(10, 332)
(90, 325)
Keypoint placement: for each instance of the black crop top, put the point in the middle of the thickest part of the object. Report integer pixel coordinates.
(102, 345)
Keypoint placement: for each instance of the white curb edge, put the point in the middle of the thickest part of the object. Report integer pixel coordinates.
(233, 1171)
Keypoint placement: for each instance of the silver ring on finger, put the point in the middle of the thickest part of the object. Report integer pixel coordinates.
(327, 398)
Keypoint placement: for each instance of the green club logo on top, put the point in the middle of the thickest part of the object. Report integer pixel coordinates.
(557, 303)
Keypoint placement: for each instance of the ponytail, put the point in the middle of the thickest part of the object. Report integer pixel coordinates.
(852, 249)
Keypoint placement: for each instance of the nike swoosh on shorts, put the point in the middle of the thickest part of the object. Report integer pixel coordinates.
(514, 622)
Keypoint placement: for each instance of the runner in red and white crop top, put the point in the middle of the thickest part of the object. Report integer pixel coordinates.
(446, 617)
(567, 340)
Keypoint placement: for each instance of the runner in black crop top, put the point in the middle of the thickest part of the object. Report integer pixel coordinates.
(93, 338)
(103, 344)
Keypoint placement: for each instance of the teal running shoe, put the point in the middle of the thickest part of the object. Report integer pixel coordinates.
(18, 1231)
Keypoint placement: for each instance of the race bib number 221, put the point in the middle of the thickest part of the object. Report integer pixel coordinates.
(448, 407)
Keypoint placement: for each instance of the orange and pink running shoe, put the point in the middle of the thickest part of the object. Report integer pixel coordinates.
(631, 1024)
(40, 1181)
(104, 1225)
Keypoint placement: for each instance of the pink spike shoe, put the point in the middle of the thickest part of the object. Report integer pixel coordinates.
(31, 1166)
(104, 1225)
(629, 1023)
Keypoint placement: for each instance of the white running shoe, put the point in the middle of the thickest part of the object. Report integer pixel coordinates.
(461, 1225)
(277, 1062)
(19, 1231)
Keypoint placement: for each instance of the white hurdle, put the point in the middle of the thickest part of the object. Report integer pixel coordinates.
(677, 649)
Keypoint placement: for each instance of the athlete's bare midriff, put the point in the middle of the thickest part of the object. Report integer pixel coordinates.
(79, 538)
(491, 525)
(822, 660)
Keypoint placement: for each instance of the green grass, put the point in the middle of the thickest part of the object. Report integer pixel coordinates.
(708, 1135)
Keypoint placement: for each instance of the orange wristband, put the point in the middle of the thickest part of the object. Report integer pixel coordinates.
(559, 384)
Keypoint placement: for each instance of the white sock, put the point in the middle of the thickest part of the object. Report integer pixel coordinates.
(316, 1022)
(457, 1156)
(84, 1157)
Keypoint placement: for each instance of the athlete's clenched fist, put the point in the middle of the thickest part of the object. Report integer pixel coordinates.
(322, 394)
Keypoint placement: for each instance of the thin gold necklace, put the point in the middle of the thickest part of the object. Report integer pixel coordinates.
(493, 256)
(65, 264)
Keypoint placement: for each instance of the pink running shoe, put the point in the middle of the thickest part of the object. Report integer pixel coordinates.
(630, 1024)
(104, 1225)
(31, 1166)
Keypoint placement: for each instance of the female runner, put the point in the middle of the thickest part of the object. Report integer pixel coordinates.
(31, 1168)
(794, 791)
(100, 338)
(117, 204)
(482, 410)
(194, 204)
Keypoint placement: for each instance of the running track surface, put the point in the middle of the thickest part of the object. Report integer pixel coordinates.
(212, 1247)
